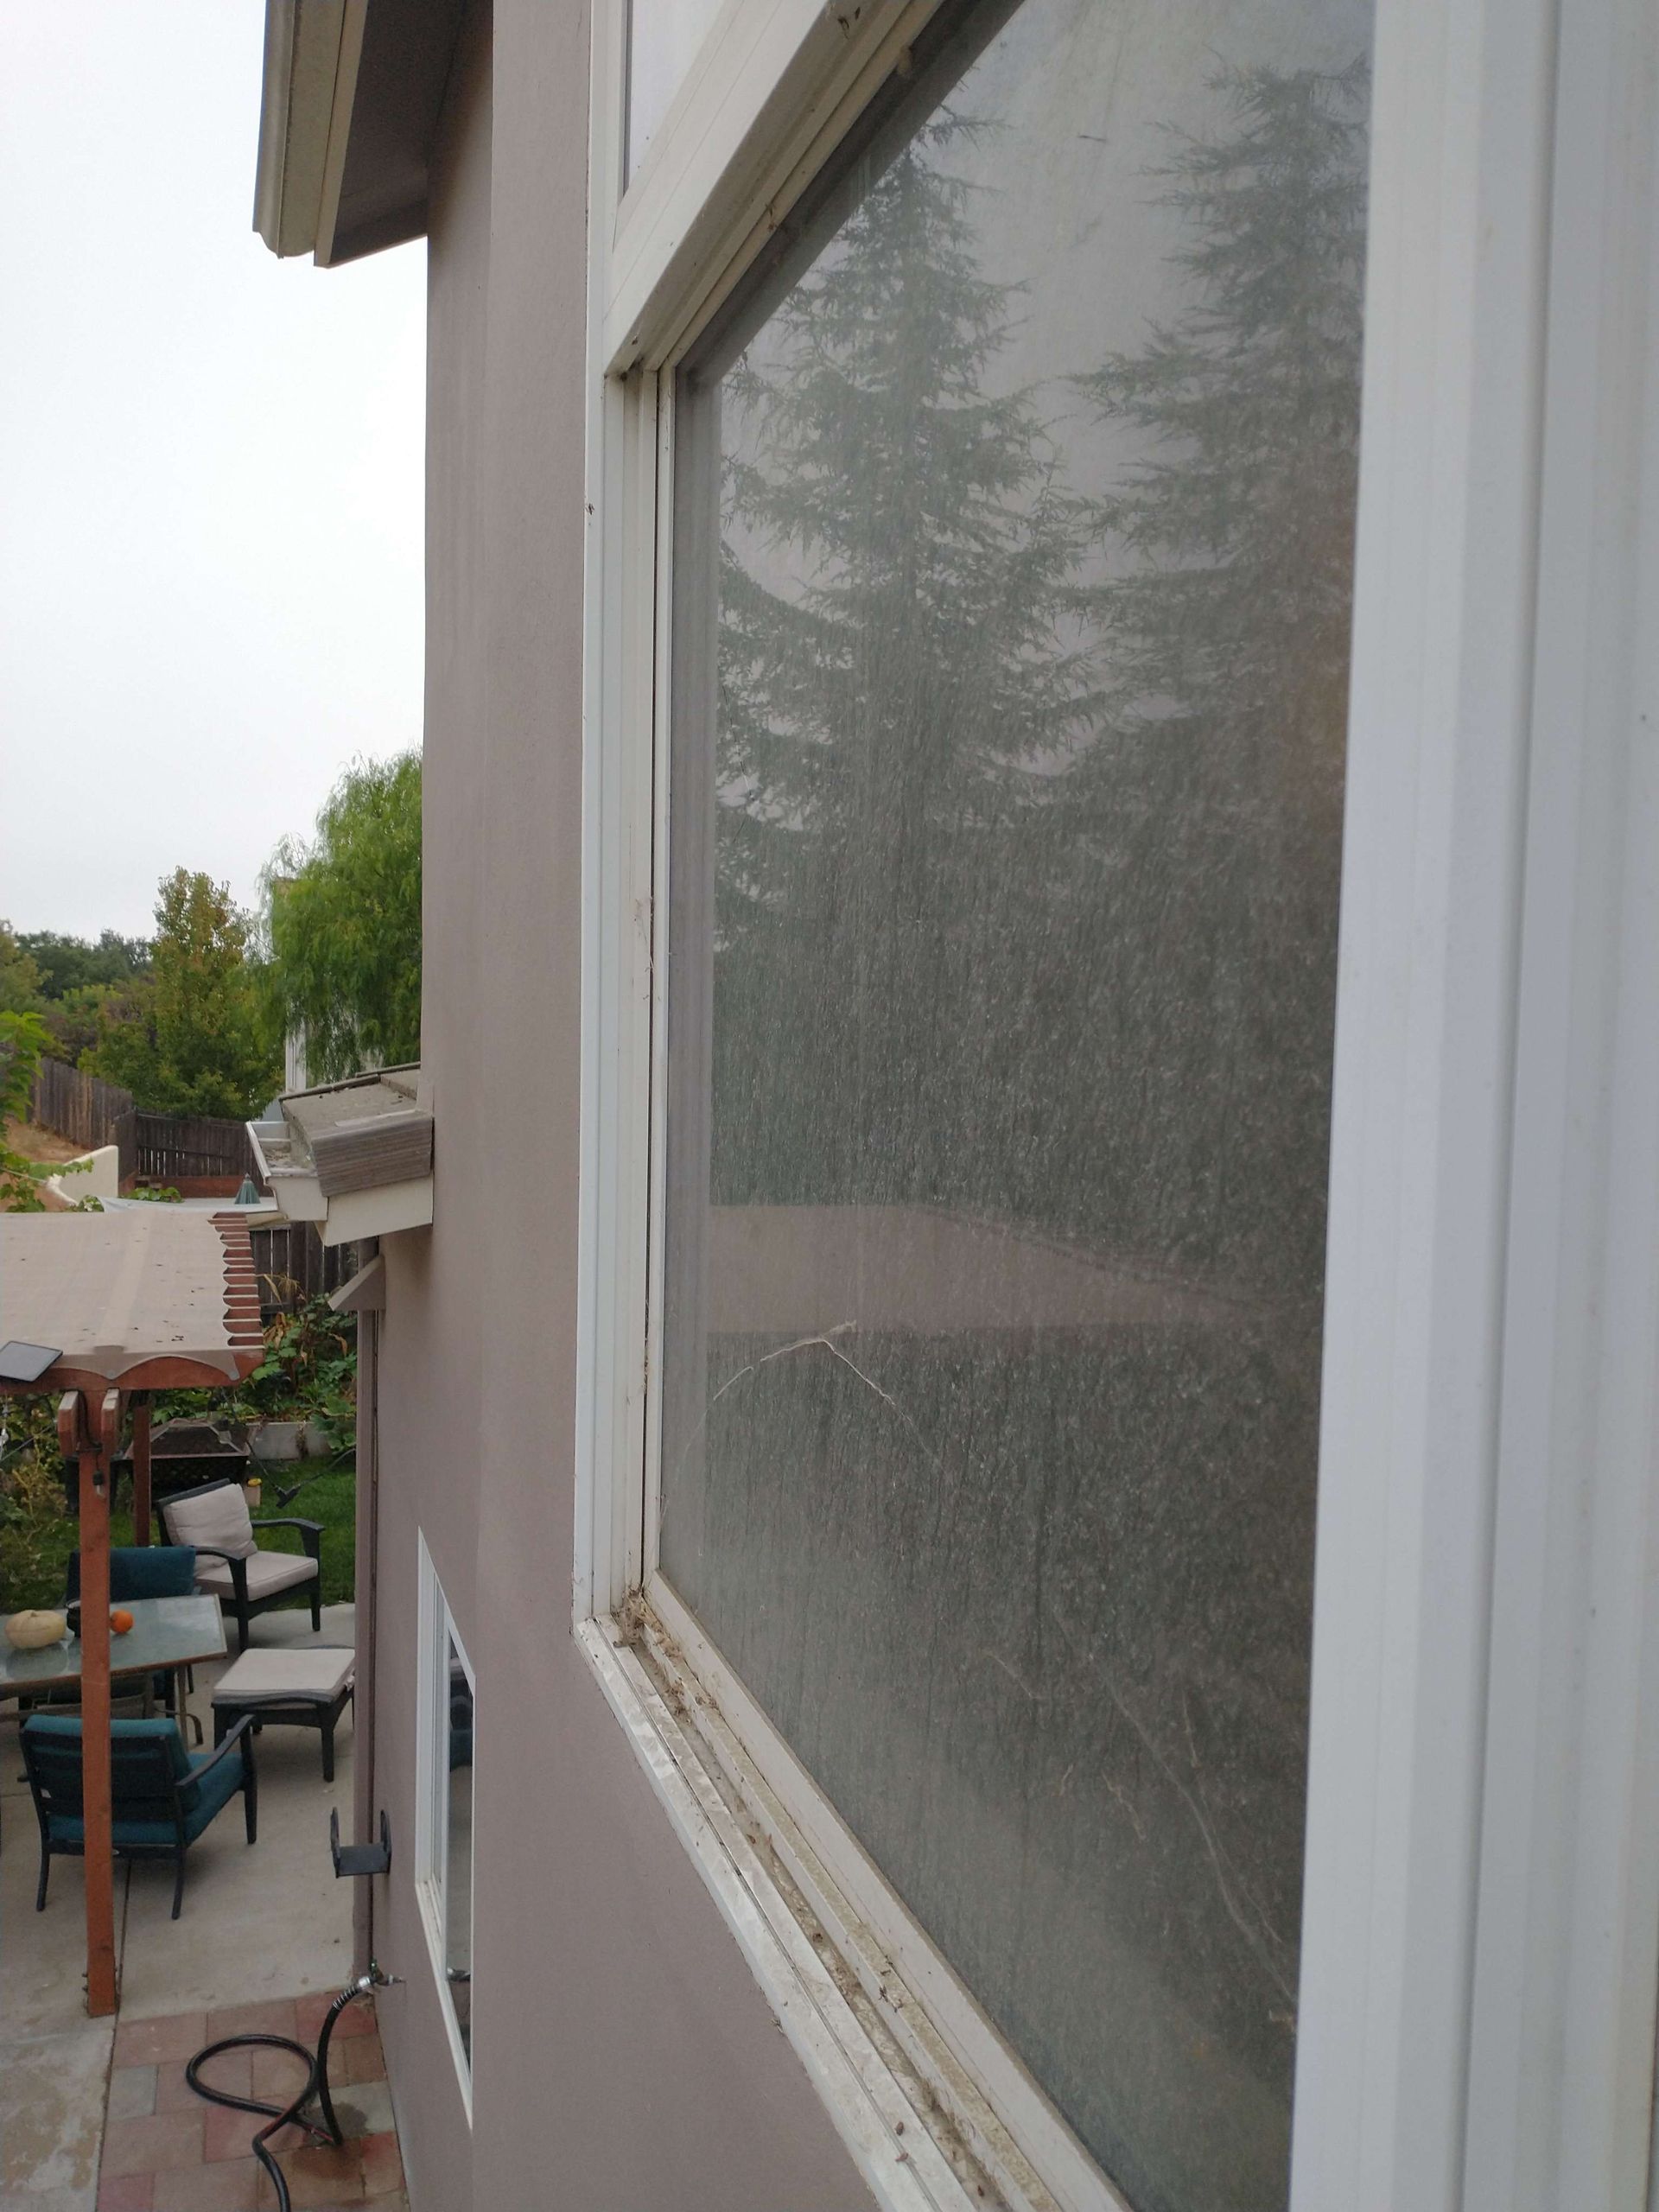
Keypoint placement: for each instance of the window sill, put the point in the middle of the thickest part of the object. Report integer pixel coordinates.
(904, 2166)
(917, 2127)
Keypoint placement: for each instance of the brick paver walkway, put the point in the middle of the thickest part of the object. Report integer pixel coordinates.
(166, 2150)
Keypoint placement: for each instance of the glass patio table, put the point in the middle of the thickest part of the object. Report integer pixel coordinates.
(167, 1633)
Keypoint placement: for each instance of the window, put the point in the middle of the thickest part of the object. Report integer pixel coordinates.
(443, 1844)
(957, 1008)
(1014, 513)
(664, 36)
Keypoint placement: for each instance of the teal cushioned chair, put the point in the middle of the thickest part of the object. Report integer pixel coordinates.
(145, 1571)
(141, 1571)
(160, 1797)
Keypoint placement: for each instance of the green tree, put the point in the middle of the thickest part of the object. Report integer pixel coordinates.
(193, 1037)
(75, 1021)
(343, 922)
(71, 963)
(20, 975)
(22, 1041)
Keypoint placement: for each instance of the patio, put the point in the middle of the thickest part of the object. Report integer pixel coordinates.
(264, 1939)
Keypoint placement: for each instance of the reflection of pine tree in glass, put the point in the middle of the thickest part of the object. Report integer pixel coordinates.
(1005, 926)
(883, 723)
(1097, 998)
(1212, 799)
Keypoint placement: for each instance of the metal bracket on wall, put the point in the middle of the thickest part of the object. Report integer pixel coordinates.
(353, 1861)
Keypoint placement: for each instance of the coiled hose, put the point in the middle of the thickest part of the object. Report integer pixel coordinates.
(316, 2084)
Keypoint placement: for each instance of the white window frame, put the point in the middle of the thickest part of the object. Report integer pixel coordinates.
(435, 1632)
(1481, 1918)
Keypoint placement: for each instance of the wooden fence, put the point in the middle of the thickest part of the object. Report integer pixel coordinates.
(173, 1149)
(294, 1264)
(183, 1148)
(291, 1260)
(87, 1110)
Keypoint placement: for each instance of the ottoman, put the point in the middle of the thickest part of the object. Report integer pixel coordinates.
(307, 1687)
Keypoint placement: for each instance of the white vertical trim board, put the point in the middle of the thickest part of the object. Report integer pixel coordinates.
(1567, 1957)
(616, 951)
(1478, 1964)
(1440, 700)
(656, 1164)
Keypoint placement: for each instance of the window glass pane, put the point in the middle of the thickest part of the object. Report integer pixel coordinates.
(663, 36)
(458, 1848)
(1013, 531)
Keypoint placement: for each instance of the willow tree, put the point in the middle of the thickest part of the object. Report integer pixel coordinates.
(343, 921)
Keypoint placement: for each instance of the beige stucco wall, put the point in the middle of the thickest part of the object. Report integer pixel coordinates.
(625, 2059)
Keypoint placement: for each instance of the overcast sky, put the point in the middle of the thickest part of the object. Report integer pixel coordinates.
(210, 473)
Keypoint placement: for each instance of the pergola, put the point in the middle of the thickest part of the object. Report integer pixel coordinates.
(153, 1298)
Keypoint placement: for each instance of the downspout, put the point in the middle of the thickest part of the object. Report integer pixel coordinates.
(366, 1592)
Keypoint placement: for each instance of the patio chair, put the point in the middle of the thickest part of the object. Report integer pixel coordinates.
(162, 1798)
(230, 1565)
(146, 1571)
(141, 1571)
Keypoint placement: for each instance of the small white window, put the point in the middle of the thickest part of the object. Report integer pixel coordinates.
(443, 1839)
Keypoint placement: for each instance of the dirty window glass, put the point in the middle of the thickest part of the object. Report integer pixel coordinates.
(663, 36)
(1014, 527)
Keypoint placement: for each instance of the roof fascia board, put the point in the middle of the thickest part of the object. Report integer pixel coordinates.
(339, 127)
(303, 44)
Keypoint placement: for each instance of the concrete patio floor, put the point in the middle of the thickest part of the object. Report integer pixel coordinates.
(269, 1923)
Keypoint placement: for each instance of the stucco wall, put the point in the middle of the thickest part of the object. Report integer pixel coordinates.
(432, 1331)
(624, 2058)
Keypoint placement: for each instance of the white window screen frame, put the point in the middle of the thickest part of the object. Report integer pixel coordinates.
(1481, 1916)
(435, 1632)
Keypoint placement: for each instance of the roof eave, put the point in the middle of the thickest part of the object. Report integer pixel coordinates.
(350, 107)
(313, 49)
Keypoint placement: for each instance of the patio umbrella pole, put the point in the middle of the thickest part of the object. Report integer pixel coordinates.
(94, 1455)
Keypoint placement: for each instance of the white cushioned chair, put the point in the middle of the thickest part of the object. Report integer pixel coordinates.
(230, 1565)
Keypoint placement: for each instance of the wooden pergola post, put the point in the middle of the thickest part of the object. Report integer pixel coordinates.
(141, 1470)
(94, 1449)
(152, 1299)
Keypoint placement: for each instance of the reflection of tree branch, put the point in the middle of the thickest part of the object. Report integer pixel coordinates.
(1261, 1938)
(1269, 1932)
(824, 1342)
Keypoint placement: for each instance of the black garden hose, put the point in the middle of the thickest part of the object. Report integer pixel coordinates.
(316, 2084)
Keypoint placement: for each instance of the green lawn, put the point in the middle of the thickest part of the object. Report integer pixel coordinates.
(329, 1498)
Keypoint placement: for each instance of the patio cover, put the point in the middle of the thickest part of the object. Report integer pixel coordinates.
(155, 1297)
(152, 1298)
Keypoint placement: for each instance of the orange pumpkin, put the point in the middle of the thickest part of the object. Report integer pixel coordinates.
(120, 1620)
